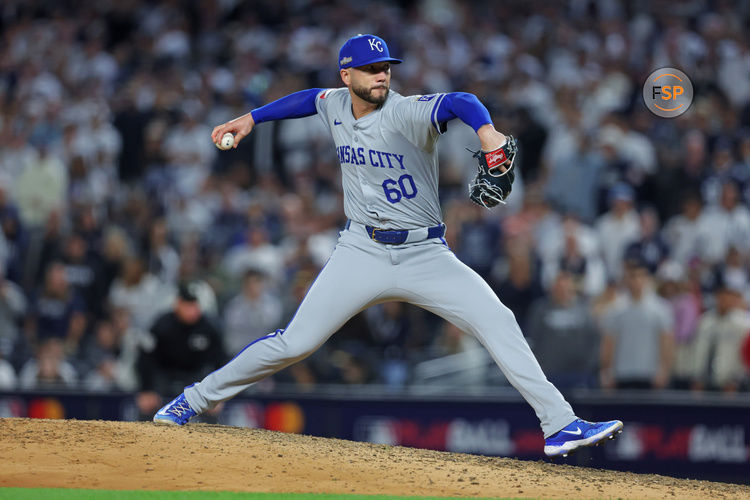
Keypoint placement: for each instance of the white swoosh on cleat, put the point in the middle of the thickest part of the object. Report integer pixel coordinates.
(577, 432)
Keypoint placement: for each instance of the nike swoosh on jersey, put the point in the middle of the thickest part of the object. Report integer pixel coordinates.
(336, 122)
(577, 432)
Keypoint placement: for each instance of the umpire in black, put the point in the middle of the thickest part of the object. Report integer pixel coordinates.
(183, 346)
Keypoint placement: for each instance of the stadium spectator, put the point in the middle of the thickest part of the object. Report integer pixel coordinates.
(617, 228)
(610, 299)
(573, 247)
(456, 359)
(103, 360)
(650, 246)
(86, 221)
(115, 247)
(734, 270)
(574, 176)
(56, 312)
(721, 332)
(16, 239)
(740, 172)
(163, 259)
(637, 343)
(720, 171)
(563, 335)
(12, 308)
(351, 367)
(685, 304)
(727, 224)
(17, 153)
(629, 156)
(8, 379)
(254, 312)
(188, 153)
(302, 276)
(41, 187)
(687, 233)
(129, 340)
(517, 280)
(183, 345)
(140, 293)
(477, 240)
(256, 252)
(81, 271)
(49, 369)
(390, 327)
(45, 246)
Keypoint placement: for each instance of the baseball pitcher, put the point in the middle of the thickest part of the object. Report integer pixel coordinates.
(392, 247)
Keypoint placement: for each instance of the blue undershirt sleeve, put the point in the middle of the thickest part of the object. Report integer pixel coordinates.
(464, 106)
(295, 105)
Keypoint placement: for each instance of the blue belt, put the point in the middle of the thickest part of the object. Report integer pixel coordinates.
(399, 236)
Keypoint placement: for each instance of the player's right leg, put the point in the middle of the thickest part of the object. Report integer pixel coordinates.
(355, 276)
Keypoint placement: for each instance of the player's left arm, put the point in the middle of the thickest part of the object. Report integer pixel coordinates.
(494, 180)
(471, 111)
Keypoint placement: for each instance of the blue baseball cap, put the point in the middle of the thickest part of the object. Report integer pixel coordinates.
(621, 192)
(362, 50)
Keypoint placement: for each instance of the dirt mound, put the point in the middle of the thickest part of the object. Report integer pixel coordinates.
(126, 455)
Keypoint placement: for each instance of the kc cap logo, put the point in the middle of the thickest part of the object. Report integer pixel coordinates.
(668, 92)
(376, 44)
(362, 50)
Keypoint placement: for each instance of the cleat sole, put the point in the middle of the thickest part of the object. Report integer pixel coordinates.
(165, 421)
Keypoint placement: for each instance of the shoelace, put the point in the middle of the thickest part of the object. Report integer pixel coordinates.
(180, 409)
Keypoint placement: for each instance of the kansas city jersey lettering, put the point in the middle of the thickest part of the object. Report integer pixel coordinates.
(358, 156)
(388, 157)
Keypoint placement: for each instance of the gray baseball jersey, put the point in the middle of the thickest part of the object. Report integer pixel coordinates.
(390, 178)
(389, 163)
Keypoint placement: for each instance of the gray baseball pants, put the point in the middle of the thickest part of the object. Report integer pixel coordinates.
(361, 273)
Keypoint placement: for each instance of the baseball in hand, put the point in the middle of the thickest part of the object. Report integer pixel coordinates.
(226, 142)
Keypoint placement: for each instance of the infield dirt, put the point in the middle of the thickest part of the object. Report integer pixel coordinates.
(126, 455)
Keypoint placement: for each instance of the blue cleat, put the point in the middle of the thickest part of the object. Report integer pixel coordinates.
(579, 434)
(177, 412)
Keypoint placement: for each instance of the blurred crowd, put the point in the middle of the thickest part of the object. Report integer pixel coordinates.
(136, 256)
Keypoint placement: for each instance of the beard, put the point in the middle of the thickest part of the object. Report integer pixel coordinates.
(366, 94)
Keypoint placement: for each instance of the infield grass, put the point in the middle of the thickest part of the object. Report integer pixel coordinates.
(75, 494)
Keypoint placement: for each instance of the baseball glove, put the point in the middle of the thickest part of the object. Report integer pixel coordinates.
(492, 185)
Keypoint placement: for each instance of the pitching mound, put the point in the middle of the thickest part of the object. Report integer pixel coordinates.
(124, 455)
